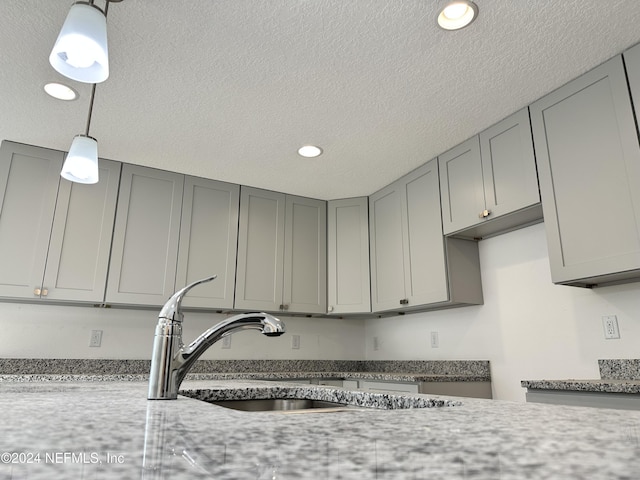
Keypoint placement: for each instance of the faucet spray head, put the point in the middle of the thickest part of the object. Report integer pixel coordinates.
(272, 326)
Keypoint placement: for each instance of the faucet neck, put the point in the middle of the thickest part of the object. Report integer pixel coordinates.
(172, 309)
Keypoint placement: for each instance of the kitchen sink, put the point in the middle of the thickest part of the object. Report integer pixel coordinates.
(284, 405)
(304, 399)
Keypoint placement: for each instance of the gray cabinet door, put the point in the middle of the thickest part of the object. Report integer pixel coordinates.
(425, 267)
(259, 274)
(461, 186)
(589, 164)
(387, 227)
(509, 166)
(632, 65)
(29, 178)
(348, 256)
(208, 242)
(78, 258)
(145, 243)
(305, 255)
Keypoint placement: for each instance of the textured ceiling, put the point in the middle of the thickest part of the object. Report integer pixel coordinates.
(229, 89)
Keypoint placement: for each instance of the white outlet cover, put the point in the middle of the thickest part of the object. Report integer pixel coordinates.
(96, 338)
(610, 325)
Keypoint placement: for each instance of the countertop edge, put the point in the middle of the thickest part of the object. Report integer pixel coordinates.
(593, 385)
(379, 376)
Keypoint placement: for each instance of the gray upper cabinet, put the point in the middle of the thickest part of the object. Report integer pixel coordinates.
(589, 164)
(461, 186)
(208, 242)
(489, 183)
(28, 192)
(632, 64)
(412, 265)
(386, 225)
(145, 243)
(78, 259)
(348, 256)
(281, 253)
(55, 236)
(259, 272)
(305, 255)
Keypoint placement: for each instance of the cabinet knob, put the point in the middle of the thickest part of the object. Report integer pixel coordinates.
(45, 292)
(37, 291)
(404, 301)
(484, 214)
(284, 307)
(330, 308)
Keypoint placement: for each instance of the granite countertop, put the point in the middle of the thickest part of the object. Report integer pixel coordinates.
(595, 385)
(25, 370)
(616, 376)
(383, 376)
(109, 430)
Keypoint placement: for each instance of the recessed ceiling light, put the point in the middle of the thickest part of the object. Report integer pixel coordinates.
(310, 151)
(60, 91)
(457, 15)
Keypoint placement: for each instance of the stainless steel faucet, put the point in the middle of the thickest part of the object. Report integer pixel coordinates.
(171, 360)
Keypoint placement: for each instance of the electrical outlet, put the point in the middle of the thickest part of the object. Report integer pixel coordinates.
(226, 341)
(376, 344)
(435, 341)
(96, 338)
(610, 324)
(295, 342)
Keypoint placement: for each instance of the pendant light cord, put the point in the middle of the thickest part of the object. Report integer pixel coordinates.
(93, 88)
(93, 94)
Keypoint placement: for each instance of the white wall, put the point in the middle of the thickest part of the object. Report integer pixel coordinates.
(528, 328)
(45, 331)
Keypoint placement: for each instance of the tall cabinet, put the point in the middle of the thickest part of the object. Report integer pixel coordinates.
(281, 262)
(412, 265)
(208, 242)
(348, 256)
(144, 258)
(589, 164)
(55, 236)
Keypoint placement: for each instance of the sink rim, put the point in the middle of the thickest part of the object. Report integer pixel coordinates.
(284, 405)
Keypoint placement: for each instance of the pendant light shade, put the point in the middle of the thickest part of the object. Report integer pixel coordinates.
(80, 52)
(81, 164)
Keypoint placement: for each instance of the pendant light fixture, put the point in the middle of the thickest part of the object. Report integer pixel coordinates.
(81, 164)
(80, 52)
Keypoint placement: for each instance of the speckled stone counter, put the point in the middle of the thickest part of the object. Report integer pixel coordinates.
(17, 366)
(137, 370)
(393, 377)
(616, 376)
(109, 430)
(620, 369)
(596, 385)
